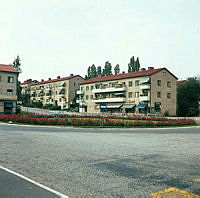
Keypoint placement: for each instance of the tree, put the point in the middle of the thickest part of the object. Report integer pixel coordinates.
(117, 69)
(137, 65)
(17, 63)
(129, 68)
(89, 72)
(99, 71)
(93, 71)
(188, 95)
(131, 65)
(107, 68)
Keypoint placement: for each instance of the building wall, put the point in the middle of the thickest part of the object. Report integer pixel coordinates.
(137, 92)
(62, 91)
(4, 86)
(134, 99)
(167, 104)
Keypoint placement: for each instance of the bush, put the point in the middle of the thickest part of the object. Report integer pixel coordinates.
(99, 122)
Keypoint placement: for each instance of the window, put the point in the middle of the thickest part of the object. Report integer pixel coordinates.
(136, 94)
(10, 79)
(164, 73)
(92, 87)
(130, 94)
(9, 92)
(159, 94)
(137, 83)
(159, 82)
(60, 100)
(81, 88)
(91, 97)
(87, 97)
(169, 95)
(74, 84)
(87, 88)
(130, 83)
(169, 84)
(157, 106)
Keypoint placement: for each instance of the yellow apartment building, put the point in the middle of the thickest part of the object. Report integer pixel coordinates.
(59, 91)
(147, 91)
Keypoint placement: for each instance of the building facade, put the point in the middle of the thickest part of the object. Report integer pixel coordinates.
(26, 86)
(8, 88)
(59, 92)
(147, 91)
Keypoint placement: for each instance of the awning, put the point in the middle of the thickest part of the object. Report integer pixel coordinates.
(113, 106)
(103, 106)
(119, 94)
(145, 80)
(141, 106)
(128, 106)
(8, 104)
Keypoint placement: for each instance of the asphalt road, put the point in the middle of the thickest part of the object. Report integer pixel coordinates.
(102, 162)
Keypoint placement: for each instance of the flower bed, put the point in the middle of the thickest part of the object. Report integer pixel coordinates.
(101, 121)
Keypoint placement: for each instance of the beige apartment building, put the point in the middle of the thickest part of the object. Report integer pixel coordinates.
(59, 91)
(26, 86)
(147, 91)
(8, 88)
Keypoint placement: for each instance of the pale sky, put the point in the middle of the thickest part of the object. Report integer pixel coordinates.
(60, 37)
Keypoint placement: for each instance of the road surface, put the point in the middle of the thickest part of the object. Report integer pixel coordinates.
(103, 162)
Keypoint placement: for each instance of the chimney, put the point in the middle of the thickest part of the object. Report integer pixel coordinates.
(71, 74)
(42, 80)
(123, 72)
(149, 68)
(143, 69)
(58, 77)
(49, 78)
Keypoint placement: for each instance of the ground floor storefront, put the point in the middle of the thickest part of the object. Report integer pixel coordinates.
(7, 106)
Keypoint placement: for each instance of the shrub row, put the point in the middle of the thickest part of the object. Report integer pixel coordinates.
(102, 122)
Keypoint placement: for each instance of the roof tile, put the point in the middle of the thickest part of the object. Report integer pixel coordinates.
(7, 68)
(122, 76)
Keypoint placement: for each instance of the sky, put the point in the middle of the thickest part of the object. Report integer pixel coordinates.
(62, 37)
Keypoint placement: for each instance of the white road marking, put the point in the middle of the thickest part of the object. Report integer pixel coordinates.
(34, 182)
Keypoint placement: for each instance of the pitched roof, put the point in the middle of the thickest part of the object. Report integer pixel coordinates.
(56, 80)
(28, 81)
(7, 68)
(148, 72)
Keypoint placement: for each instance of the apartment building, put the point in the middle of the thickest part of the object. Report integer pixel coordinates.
(8, 88)
(59, 91)
(147, 91)
(26, 86)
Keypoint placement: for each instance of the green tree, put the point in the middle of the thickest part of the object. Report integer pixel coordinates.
(17, 63)
(129, 68)
(131, 65)
(137, 65)
(107, 68)
(188, 95)
(117, 69)
(99, 71)
(89, 73)
(93, 71)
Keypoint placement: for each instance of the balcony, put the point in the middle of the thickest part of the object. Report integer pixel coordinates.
(148, 86)
(109, 89)
(80, 92)
(144, 98)
(8, 97)
(114, 99)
